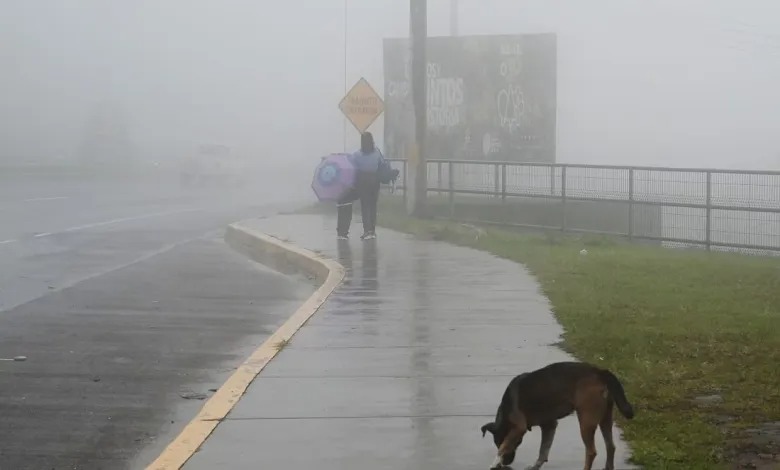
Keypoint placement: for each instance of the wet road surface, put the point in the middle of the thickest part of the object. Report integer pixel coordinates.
(400, 367)
(129, 308)
(54, 233)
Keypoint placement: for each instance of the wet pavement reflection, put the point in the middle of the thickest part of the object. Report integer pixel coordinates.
(400, 367)
(425, 448)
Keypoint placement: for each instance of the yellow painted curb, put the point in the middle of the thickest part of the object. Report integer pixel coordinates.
(283, 257)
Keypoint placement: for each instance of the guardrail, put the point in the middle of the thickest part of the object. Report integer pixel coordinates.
(691, 207)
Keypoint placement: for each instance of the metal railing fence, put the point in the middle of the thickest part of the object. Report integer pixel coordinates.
(691, 207)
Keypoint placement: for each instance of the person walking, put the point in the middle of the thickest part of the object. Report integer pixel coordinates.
(367, 161)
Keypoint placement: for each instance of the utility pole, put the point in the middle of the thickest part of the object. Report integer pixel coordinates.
(344, 120)
(418, 35)
(454, 23)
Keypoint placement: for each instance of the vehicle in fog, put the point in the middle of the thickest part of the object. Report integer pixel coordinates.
(213, 164)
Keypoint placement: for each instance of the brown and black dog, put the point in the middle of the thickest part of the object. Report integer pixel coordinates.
(542, 397)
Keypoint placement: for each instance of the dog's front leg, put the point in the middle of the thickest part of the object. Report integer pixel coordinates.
(508, 446)
(498, 462)
(548, 434)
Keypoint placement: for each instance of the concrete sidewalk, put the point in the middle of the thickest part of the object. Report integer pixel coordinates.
(400, 367)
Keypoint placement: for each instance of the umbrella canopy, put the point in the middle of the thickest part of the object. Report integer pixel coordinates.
(334, 177)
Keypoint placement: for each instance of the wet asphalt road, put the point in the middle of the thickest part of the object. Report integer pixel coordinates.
(129, 308)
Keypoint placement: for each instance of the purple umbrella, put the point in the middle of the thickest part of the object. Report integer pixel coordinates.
(334, 176)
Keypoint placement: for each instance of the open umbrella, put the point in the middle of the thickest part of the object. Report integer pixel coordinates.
(334, 177)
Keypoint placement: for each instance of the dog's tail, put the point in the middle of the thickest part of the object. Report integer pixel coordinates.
(618, 394)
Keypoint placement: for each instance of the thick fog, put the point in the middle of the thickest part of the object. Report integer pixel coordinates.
(659, 82)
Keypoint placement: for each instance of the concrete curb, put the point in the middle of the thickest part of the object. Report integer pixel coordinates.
(285, 258)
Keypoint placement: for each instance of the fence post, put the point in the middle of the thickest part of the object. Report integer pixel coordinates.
(504, 215)
(563, 198)
(708, 230)
(496, 180)
(552, 180)
(503, 183)
(438, 180)
(451, 175)
(406, 179)
(630, 203)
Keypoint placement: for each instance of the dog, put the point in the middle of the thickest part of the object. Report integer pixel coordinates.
(542, 397)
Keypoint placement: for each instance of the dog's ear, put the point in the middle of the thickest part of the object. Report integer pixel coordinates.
(488, 427)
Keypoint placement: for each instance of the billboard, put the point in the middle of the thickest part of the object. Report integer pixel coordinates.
(489, 98)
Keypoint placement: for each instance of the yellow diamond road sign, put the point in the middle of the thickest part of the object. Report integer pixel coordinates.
(362, 105)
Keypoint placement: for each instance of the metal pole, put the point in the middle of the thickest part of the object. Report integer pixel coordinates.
(418, 32)
(504, 212)
(344, 120)
(454, 23)
(708, 234)
(563, 198)
(406, 181)
(451, 186)
(552, 180)
(630, 203)
(438, 178)
(496, 179)
(503, 183)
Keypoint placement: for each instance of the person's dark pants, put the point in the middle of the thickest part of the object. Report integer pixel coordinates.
(367, 190)
(344, 214)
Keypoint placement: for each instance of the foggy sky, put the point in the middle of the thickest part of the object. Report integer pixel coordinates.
(659, 82)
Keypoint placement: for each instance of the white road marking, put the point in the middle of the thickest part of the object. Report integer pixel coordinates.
(14, 359)
(36, 199)
(122, 219)
(73, 282)
(104, 223)
(7, 206)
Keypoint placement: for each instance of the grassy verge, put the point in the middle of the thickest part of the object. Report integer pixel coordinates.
(695, 336)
